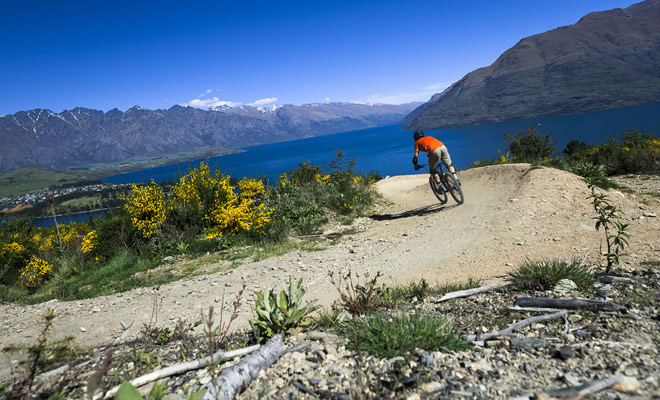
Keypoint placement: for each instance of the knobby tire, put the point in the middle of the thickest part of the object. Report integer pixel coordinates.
(439, 193)
(453, 187)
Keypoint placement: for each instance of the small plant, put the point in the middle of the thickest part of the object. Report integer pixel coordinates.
(328, 319)
(129, 392)
(389, 336)
(217, 335)
(616, 232)
(544, 274)
(443, 289)
(275, 315)
(355, 298)
(399, 295)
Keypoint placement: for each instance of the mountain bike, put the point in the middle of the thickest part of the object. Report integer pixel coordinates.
(447, 184)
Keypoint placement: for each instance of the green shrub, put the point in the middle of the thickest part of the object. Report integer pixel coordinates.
(389, 336)
(275, 315)
(529, 146)
(544, 274)
(636, 153)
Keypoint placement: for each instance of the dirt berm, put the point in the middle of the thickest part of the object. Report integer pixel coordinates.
(510, 214)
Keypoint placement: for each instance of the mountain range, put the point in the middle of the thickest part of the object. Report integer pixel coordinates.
(42, 138)
(608, 59)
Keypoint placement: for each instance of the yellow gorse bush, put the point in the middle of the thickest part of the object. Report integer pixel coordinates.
(146, 207)
(235, 213)
(199, 186)
(34, 273)
(90, 242)
(12, 249)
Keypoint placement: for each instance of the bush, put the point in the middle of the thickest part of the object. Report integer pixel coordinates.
(544, 274)
(303, 196)
(394, 335)
(529, 146)
(636, 153)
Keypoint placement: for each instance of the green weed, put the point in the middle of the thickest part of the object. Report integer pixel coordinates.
(394, 335)
(544, 274)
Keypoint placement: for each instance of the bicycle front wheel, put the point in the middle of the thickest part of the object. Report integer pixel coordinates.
(438, 191)
(453, 187)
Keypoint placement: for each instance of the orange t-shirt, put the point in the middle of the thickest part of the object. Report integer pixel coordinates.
(427, 144)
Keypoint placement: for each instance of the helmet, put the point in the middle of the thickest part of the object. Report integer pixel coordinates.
(417, 135)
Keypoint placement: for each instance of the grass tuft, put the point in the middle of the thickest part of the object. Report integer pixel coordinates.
(389, 336)
(544, 274)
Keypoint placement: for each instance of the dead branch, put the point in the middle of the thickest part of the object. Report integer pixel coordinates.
(567, 304)
(517, 325)
(575, 393)
(232, 380)
(184, 367)
(534, 309)
(467, 292)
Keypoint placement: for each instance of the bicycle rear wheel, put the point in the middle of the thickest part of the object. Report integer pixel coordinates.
(438, 191)
(453, 187)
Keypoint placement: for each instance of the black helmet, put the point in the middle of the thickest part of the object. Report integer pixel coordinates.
(417, 135)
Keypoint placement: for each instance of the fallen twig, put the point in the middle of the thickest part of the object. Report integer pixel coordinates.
(533, 309)
(181, 368)
(575, 393)
(517, 325)
(566, 304)
(233, 379)
(467, 292)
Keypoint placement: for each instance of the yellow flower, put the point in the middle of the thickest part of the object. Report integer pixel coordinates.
(146, 207)
(35, 272)
(90, 241)
(12, 248)
(625, 148)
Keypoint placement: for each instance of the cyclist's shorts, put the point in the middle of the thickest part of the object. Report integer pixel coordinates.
(438, 154)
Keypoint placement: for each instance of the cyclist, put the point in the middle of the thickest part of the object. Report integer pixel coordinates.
(436, 151)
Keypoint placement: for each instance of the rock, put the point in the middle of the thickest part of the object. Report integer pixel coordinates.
(126, 323)
(628, 385)
(51, 374)
(481, 365)
(83, 329)
(650, 215)
(565, 352)
(573, 318)
(565, 285)
(571, 380)
(432, 387)
(168, 259)
(527, 343)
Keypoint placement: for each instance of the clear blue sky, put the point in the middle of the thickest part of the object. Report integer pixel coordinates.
(105, 54)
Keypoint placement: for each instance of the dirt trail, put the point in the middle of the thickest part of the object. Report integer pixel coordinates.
(508, 216)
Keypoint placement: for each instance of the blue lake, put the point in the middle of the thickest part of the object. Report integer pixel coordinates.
(388, 149)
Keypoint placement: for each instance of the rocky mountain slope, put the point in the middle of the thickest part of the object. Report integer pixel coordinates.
(42, 138)
(608, 59)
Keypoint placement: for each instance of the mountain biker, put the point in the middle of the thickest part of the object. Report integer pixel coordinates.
(436, 151)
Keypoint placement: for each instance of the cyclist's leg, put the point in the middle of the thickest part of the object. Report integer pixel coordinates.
(444, 154)
(434, 160)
